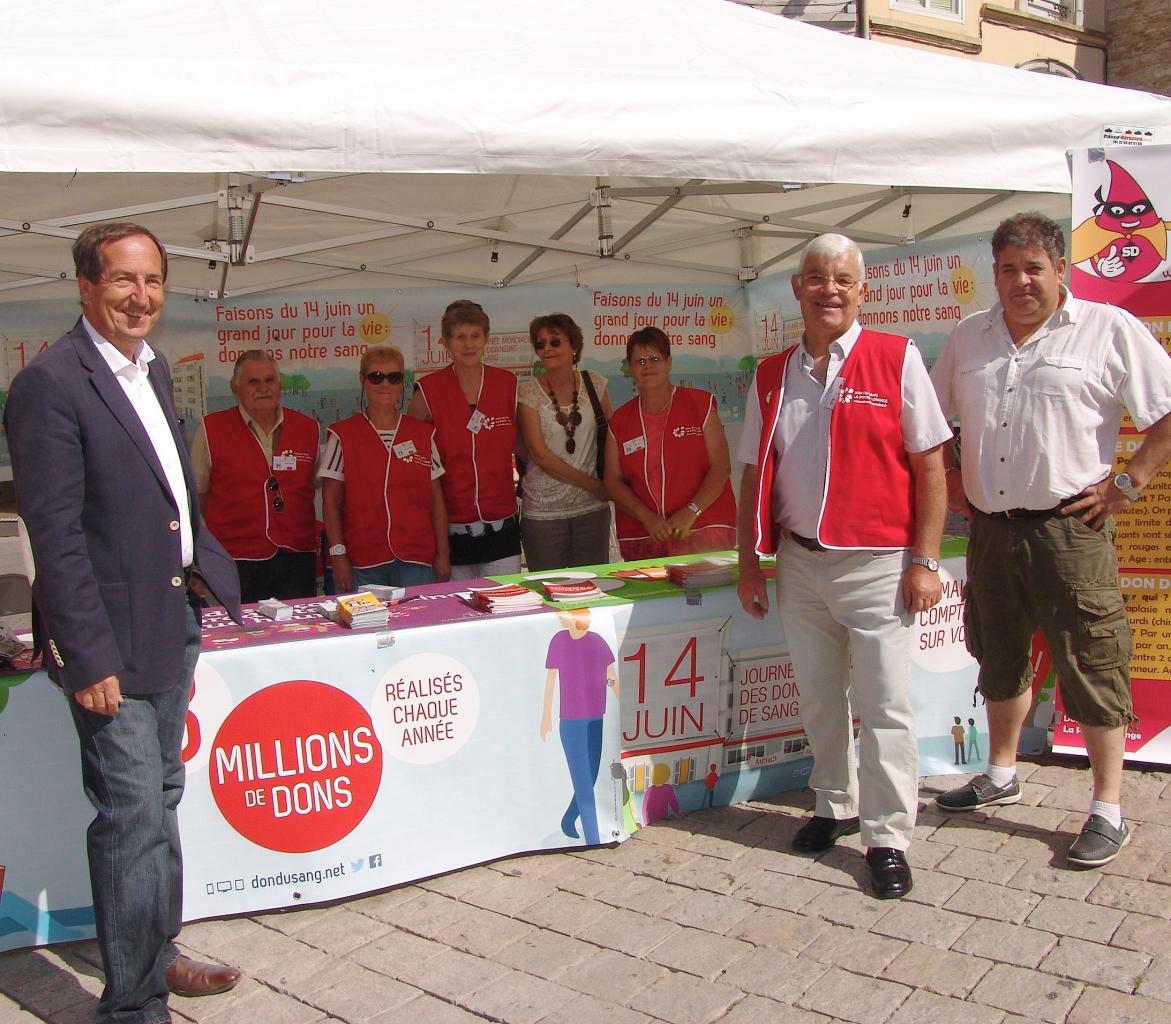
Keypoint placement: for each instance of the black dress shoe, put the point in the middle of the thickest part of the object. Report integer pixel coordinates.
(819, 833)
(890, 875)
(187, 977)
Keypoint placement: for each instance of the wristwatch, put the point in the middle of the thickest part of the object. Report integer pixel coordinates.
(693, 508)
(931, 564)
(337, 549)
(1124, 483)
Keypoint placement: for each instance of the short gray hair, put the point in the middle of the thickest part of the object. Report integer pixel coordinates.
(251, 355)
(832, 245)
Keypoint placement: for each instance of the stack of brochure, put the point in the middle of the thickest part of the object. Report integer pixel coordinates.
(645, 572)
(359, 611)
(578, 590)
(508, 597)
(701, 574)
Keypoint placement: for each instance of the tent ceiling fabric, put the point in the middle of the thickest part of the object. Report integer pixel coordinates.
(613, 142)
(541, 228)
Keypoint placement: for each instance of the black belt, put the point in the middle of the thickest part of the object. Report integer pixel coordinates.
(807, 543)
(479, 529)
(1027, 513)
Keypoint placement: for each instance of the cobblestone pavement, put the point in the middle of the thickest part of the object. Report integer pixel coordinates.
(711, 918)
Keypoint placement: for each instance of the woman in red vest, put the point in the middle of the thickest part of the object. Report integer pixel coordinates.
(380, 491)
(667, 462)
(473, 407)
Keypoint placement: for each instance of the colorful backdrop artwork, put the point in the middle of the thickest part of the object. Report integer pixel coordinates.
(317, 335)
(1119, 253)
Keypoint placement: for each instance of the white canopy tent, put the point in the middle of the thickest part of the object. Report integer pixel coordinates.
(282, 142)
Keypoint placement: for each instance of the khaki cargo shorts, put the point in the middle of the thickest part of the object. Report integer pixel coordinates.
(1057, 575)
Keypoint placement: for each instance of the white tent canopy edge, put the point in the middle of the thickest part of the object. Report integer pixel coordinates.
(413, 140)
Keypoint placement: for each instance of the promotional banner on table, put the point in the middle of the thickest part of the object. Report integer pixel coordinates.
(1119, 254)
(324, 763)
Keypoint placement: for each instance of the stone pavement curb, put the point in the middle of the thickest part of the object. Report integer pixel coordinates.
(711, 918)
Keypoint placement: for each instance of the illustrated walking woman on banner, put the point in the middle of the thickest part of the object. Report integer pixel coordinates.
(580, 666)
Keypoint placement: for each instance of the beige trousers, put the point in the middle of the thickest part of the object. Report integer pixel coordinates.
(850, 640)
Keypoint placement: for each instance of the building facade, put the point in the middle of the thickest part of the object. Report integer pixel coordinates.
(1058, 37)
(1140, 45)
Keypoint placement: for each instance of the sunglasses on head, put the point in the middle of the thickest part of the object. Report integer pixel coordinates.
(378, 376)
(540, 343)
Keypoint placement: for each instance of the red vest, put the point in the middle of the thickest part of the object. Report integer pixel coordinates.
(239, 504)
(684, 462)
(386, 514)
(869, 499)
(477, 468)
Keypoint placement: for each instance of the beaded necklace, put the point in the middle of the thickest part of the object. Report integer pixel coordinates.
(569, 422)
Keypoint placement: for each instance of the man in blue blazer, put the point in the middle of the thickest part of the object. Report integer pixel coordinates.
(104, 485)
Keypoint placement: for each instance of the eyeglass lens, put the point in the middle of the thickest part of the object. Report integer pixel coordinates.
(841, 282)
(274, 489)
(378, 376)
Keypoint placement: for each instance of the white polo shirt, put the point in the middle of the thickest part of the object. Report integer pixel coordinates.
(1039, 423)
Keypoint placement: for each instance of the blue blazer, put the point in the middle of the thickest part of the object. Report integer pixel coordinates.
(102, 522)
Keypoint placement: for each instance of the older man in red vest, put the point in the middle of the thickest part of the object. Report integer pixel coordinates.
(256, 470)
(843, 480)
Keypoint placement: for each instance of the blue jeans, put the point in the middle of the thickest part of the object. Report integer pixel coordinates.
(133, 776)
(393, 574)
(581, 739)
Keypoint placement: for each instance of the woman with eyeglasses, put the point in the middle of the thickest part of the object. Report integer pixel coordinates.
(565, 510)
(380, 492)
(667, 462)
(473, 407)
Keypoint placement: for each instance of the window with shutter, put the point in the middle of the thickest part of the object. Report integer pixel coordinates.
(944, 8)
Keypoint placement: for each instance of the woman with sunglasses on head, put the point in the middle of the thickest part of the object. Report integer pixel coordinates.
(667, 462)
(473, 407)
(565, 512)
(380, 496)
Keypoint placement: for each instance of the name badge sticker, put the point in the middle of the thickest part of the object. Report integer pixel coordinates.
(405, 449)
(476, 422)
(635, 444)
(284, 463)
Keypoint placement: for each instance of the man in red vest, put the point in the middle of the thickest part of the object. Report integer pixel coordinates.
(256, 470)
(843, 480)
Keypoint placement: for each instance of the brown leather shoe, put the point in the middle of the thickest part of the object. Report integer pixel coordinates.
(187, 977)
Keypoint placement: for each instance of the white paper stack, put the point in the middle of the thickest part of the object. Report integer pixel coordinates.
(701, 574)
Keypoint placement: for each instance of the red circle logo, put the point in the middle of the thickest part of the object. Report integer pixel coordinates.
(296, 766)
